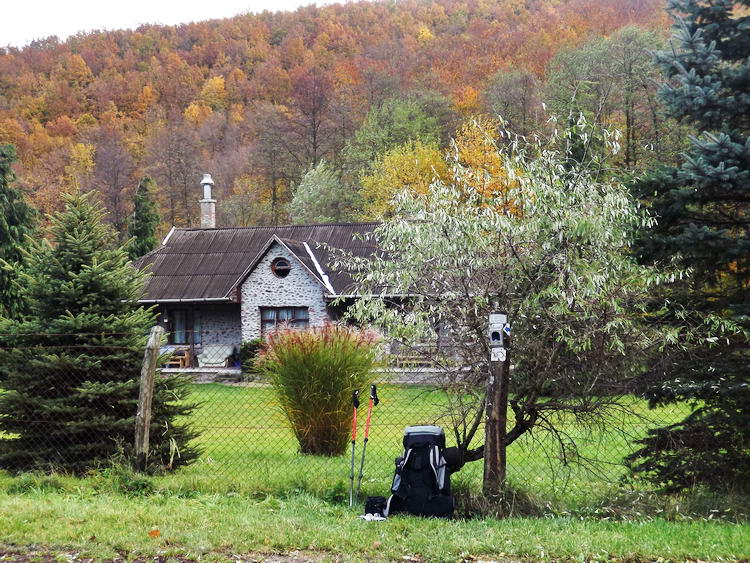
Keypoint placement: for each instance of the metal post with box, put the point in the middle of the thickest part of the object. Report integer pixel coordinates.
(498, 336)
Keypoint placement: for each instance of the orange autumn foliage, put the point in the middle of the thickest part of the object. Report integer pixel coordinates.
(186, 96)
(486, 170)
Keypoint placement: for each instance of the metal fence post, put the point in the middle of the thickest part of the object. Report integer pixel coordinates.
(145, 396)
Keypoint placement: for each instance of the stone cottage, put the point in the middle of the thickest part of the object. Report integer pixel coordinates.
(217, 287)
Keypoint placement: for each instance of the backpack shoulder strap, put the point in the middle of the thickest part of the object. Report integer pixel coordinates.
(437, 463)
(400, 464)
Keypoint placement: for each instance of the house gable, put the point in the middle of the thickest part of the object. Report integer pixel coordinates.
(262, 288)
(298, 251)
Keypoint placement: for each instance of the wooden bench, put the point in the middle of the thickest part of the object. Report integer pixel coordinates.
(412, 361)
(180, 359)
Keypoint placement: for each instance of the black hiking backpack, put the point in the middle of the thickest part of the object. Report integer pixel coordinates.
(422, 485)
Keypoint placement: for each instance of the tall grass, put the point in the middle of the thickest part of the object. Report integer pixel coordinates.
(314, 373)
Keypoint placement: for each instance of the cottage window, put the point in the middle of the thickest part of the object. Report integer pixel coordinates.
(272, 317)
(281, 267)
(180, 329)
(197, 328)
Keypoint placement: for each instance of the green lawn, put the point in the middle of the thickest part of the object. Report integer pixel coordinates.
(249, 447)
(252, 494)
(215, 526)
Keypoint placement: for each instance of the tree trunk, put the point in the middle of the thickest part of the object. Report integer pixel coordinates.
(495, 427)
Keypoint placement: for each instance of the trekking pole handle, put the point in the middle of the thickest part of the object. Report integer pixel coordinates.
(355, 398)
(374, 394)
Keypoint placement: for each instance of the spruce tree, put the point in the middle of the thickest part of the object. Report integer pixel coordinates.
(703, 211)
(144, 221)
(72, 367)
(17, 220)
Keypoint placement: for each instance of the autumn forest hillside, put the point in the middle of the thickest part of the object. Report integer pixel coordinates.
(337, 96)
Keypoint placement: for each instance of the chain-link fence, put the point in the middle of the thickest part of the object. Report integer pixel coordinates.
(65, 398)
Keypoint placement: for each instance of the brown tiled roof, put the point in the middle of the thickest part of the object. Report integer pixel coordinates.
(199, 264)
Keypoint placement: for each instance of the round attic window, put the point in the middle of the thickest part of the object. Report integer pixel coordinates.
(280, 267)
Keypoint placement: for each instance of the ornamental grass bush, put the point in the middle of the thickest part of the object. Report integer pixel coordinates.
(314, 373)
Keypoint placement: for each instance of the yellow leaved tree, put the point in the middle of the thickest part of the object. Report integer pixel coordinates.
(478, 151)
(147, 97)
(214, 93)
(79, 167)
(412, 166)
(197, 113)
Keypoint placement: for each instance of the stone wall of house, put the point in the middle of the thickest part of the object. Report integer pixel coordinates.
(220, 324)
(263, 288)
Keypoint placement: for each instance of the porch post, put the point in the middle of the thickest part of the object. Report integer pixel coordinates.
(190, 327)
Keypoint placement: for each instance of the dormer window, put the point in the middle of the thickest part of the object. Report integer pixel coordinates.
(281, 267)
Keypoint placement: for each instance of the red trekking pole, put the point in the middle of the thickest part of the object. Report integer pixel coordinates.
(355, 402)
(373, 401)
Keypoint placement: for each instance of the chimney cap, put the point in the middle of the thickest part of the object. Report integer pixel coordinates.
(207, 180)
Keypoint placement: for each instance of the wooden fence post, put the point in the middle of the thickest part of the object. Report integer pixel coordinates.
(143, 416)
(495, 427)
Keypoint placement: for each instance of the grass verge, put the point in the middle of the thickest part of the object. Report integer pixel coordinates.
(215, 526)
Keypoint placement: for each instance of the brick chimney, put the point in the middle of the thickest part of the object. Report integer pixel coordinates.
(208, 204)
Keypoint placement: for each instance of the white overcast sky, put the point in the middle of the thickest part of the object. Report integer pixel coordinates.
(22, 21)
